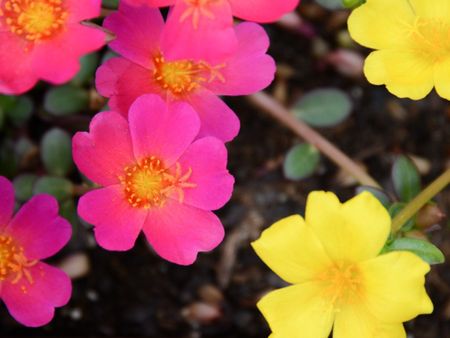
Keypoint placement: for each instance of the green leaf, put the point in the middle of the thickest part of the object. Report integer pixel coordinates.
(66, 100)
(323, 107)
(110, 4)
(330, 4)
(2, 118)
(378, 193)
(60, 188)
(21, 110)
(86, 73)
(56, 152)
(352, 3)
(23, 185)
(406, 178)
(8, 159)
(425, 250)
(301, 161)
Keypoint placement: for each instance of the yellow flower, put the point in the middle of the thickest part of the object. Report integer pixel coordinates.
(332, 259)
(412, 38)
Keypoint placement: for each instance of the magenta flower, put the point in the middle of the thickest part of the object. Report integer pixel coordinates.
(178, 72)
(43, 39)
(30, 288)
(154, 179)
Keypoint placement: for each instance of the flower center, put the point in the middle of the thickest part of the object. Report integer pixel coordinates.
(13, 263)
(148, 183)
(184, 76)
(34, 20)
(431, 38)
(196, 9)
(342, 283)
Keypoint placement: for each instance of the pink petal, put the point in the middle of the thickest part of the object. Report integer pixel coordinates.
(251, 54)
(16, 74)
(207, 158)
(104, 152)
(160, 130)
(151, 3)
(138, 31)
(39, 229)
(6, 201)
(82, 10)
(117, 223)
(217, 118)
(184, 38)
(35, 307)
(262, 10)
(57, 60)
(178, 232)
(123, 82)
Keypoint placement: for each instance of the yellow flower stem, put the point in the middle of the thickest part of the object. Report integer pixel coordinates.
(277, 111)
(420, 200)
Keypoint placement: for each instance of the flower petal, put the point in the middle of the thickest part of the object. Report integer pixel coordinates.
(431, 9)
(442, 78)
(104, 152)
(381, 24)
(178, 232)
(251, 54)
(6, 201)
(394, 284)
(82, 10)
(161, 130)
(138, 32)
(355, 321)
(39, 229)
(297, 311)
(262, 10)
(404, 73)
(117, 223)
(207, 158)
(354, 231)
(292, 250)
(217, 119)
(34, 307)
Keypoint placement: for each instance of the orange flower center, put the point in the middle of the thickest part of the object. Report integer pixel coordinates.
(148, 183)
(431, 38)
(13, 263)
(196, 9)
(341, 282)
(184, 76)
(34, 20)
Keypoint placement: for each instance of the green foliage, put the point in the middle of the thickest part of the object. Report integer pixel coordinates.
(112, 4)
(23, 185)
(323, 107)
(352, 3)
(406, 179)
(330, 4)
(56, 152)
(66, 100)
(86, 73)
(301, 161)
(378, 193)
(425, 250)
(17, 109)
(60, 188)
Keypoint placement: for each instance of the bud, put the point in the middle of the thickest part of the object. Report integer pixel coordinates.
(429, 215)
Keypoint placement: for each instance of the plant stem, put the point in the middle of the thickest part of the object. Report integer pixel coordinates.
(277, 111)
(420, 200)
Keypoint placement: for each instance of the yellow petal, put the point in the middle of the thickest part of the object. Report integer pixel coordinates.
(291, 250)
(391, 331)
(381, 24)
(394, 286)
(432, 8)
(298, 311)
(354, 231)
(442, 78)
(405, 73)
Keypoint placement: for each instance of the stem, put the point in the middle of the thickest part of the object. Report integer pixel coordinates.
(420, 200)
(277, 111)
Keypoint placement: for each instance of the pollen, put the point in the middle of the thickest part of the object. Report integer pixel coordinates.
(184, 76)
(342, 283)
(34, 20)
(13, 263)
(431, 38)
(149, 183)
(196, 9)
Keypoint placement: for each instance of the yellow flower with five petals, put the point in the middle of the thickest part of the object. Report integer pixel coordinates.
(412, 42)
(340, 280)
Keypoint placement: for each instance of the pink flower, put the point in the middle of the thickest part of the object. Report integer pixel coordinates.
(177, 71)
(43, 39)
(154, 179)
(30, 288)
